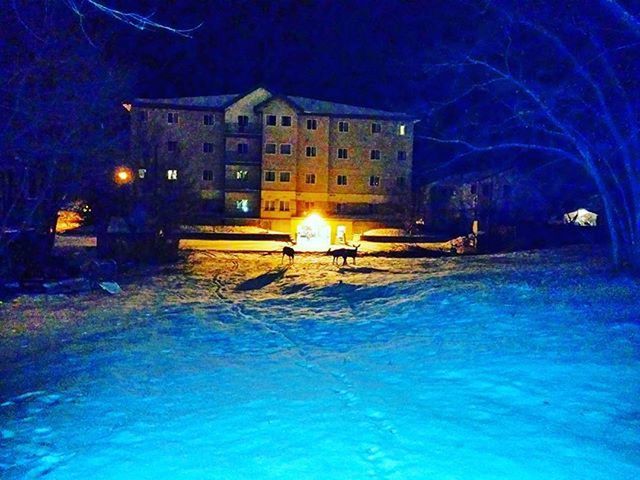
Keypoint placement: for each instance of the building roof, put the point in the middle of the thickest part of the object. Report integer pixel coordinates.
(306, 105)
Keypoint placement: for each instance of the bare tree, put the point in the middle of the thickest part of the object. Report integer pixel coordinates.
(557, 80)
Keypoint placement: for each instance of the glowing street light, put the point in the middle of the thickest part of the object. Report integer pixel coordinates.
(122, 175)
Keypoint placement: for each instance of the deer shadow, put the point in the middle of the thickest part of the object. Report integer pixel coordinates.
(263, 280)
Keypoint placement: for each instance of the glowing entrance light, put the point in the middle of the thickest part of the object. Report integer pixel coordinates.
(122, 175)
(314, 233)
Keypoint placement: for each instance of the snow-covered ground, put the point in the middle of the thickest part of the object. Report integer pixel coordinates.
(233, 366)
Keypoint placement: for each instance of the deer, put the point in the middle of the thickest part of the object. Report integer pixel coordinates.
(289, 252)
(344, 253)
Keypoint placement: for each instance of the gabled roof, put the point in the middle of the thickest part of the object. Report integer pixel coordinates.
(211, 102)
(322, 107)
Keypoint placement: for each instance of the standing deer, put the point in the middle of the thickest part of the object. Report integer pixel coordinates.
(344, 253)
(289, 252)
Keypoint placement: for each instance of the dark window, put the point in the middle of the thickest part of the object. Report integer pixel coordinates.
(285, 177)
(312, 124)
(376, 128)
(243, 148)
(400, 181)
(341, 180)
(269, 176)
(207, 147)
(310, 178)
(474, 189)
(271, 120)
(172, 146)
(208, 119)
(270, 205)
(339, 207)
(285, 121)
(375, 154)
(374, 181)
(270, 148)
(172, 117)
(243, 120)
(311, 151)
(342, 153)
(284, 205)
(285, 149)
(142, 116)
(402, 155)
(343, 126)
(207, 175)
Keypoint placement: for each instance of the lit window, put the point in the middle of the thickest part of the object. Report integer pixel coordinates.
(402, 155)
(207, 147)
(342, 180)
(142, 172)
(208, 119)
(284, 205)
(172, 117)
(269, 176)
(342, 153)
(310, 178)
(311, 151)
(343, 126)
(270, 148)
(172, 174)
(374, 181)
(285, 121)
(271, 120)
(172, 146)
(242, 205)
(242, 175)
(312, 124)
(243, 120)
(402, 129)
(207, 175)
(376, 128)
(285, 149)
(270, 205)
(243, 148)
(285, 177)
(375, 154)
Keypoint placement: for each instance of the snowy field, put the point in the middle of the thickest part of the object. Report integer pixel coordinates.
(231, 366)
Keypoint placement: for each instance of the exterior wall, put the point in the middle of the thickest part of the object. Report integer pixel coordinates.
(245, 106)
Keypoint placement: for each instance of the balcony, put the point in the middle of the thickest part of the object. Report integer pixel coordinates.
(252, 129)
(252, 158)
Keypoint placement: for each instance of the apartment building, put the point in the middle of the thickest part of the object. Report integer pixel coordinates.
(275, 159)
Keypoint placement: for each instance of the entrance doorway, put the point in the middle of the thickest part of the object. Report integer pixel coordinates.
(314, 233)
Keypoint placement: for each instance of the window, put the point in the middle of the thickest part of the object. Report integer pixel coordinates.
(376, 128)
(270, 205)
(284, 205)
(172, 117)
(285, 149)
(208, 119)
(486, 189)
(172, 146)
(308, 206)
(285, 121)
(172, 174)
(339, 207)
(343, 126)
(285, 177)
(242, 205)
(271, 120)
(342, 180)
(142, 116)
(374, 181)
(312, 124)
(269, 176)
(311, 151)
(242, 175)
(207, 175)
(474, 189)
(243, 120)
(243, 148)
(402, 155)
(342, 153)
(270, 148)
(402, 129)
(310, 178)
(207, 147)
(400, 181)
(375, 154)
(142, 172)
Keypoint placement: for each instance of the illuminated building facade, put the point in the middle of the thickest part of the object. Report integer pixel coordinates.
(277, 158)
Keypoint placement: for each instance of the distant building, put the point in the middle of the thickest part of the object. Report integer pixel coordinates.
(273, 159)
